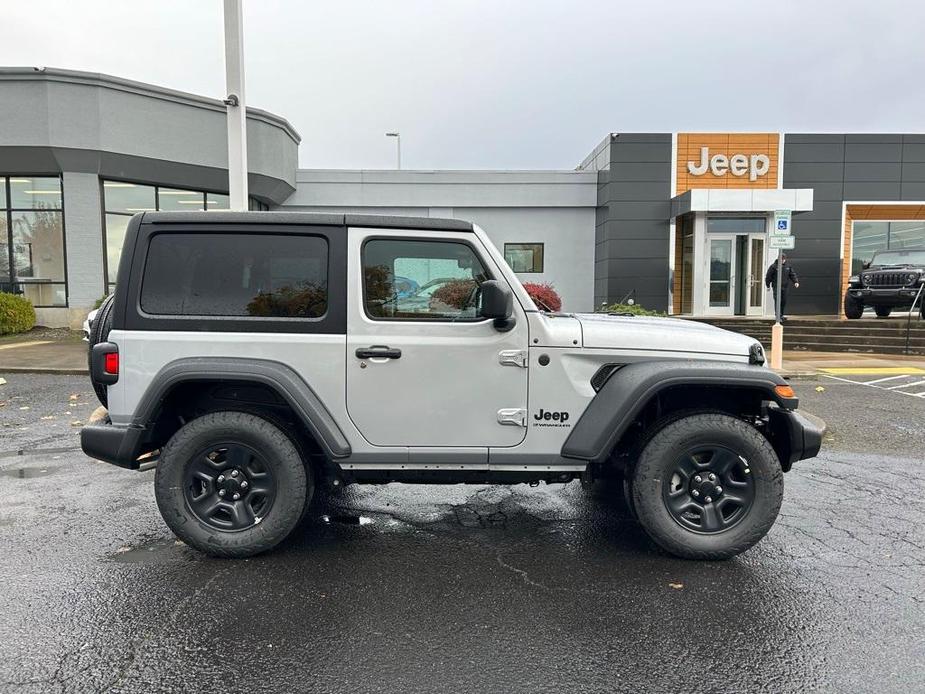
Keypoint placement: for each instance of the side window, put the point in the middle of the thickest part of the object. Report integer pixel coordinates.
(256, 275)
(406, 279)
(524, 257)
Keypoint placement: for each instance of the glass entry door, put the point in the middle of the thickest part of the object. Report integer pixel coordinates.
(756, 258)
(721, 296)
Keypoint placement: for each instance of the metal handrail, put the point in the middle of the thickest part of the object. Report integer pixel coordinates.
(918, 296)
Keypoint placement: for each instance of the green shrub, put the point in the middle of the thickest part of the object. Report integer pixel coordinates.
(99, 302)
(632, 309)
(16, 314)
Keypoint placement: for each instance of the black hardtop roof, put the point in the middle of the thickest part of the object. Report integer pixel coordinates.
(317, 218)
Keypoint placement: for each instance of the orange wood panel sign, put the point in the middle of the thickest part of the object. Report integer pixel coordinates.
(727, 160)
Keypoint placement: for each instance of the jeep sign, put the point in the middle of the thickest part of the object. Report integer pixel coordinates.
(754, 165)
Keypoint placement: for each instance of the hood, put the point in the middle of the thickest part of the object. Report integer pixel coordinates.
(604, 331)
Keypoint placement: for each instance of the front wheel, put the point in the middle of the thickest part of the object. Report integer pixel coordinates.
(707, 486)
(232, 484)
(854, 308)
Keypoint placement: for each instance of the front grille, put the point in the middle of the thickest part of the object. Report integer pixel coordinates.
(887, 279)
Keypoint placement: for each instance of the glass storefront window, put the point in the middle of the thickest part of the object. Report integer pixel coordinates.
(116, 225)
(180, 200)
(129, 198)
(32, 239)
(215, 201)
(122, 199)
(35, 193)
(868, 238)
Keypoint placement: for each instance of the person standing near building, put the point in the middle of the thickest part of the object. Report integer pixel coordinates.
(788, 276)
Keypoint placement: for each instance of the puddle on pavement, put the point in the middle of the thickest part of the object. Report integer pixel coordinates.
(25, 473)
(346, 519)
(147, 551)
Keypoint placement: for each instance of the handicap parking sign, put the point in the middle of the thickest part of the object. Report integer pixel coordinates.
(781, 223)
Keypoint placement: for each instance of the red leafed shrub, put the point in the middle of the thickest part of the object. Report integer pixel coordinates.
(544, 296)
(455, 294)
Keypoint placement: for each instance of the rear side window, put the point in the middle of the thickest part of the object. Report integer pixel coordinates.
(256, 275)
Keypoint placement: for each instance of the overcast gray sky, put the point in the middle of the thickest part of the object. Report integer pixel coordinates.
(507, 83)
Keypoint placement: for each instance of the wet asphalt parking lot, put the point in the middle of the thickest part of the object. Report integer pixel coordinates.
(461, 588)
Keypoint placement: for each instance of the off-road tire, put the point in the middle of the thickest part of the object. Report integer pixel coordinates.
(658, 458)
(99, 332)
(853, 307)
(882, 311)
(294, 483)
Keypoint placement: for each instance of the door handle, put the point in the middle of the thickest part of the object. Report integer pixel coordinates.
(378, 351)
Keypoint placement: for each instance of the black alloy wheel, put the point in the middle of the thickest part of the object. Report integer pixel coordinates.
(233, 484)
(709, 490)
(229, 486)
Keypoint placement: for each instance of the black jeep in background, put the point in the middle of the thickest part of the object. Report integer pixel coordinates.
(893, 279)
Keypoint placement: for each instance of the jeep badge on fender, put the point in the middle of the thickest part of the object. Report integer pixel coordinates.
(252, 358)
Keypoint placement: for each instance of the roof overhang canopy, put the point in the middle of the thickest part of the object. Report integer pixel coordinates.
(742, 200)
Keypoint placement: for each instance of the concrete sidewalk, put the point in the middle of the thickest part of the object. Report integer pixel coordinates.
(27, 354)
(44, 354)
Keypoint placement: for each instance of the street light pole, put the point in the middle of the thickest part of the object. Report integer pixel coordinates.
(397, 137)
(234, 102)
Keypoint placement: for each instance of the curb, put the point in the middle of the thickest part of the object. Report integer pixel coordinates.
(44, 370)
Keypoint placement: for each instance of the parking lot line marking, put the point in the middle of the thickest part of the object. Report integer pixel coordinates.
(867, 385)
(882, 380)
(874, 370)
(906, 385)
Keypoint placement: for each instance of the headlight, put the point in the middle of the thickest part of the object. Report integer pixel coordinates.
(854, 279)
(910, 278)
(865, 279)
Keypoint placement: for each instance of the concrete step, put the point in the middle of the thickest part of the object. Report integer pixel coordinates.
(866, 336)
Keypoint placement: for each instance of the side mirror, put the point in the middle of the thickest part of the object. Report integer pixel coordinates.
(497, 303)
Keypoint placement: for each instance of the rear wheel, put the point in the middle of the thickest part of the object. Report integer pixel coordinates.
(882, 311)
(707, 486)
(99, 332)
(232, 484)
(854, 308)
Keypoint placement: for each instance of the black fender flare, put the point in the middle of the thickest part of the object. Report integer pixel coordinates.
(628, 389)
(291, 387)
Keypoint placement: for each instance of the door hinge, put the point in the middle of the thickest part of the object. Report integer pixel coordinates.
(513, 417)
(513, 357)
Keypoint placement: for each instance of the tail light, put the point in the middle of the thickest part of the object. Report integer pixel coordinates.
(104, 363)
(111, 363)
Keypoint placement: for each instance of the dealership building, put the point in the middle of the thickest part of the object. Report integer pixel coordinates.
(678, 222)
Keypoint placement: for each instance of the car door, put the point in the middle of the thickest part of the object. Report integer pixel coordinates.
(423, 368)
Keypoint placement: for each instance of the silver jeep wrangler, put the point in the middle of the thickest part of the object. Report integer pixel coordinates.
(257, 357)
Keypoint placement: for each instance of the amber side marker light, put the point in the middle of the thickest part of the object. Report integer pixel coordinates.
(785, 391)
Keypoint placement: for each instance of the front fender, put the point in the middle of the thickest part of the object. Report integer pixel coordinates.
(630, 388)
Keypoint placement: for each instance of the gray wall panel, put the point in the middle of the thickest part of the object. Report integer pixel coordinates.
(913, 151)
(913, 191)
(858, 190)
(811, 171)
(811, 138)
(862, 151)
(813, 152)
(913, 172)
(873, 171)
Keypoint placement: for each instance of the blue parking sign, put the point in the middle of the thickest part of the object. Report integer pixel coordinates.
(782, 224)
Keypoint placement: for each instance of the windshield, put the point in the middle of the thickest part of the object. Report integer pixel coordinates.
(911, 257)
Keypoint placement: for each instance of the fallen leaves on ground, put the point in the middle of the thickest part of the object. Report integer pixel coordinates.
(676, 586)
(820, 389)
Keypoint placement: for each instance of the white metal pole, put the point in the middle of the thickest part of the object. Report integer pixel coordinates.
(399, 150)
(777, 330)
(237, 116)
